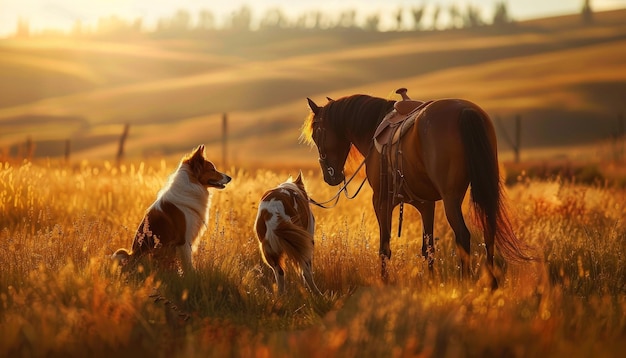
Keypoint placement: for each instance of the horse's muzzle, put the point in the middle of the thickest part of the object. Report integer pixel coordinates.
(332, 177)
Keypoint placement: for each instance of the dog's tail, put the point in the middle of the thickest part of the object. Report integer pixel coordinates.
(122, 257)
(295, 242)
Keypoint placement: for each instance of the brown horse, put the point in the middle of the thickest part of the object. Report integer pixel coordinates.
(451, 145)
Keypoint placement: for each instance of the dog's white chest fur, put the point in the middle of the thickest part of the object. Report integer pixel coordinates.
(192, 199)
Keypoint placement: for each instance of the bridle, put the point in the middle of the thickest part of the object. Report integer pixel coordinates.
(320, 132)
(320, 144)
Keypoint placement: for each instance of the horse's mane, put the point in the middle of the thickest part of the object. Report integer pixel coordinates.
(358, 113)
(306, 132)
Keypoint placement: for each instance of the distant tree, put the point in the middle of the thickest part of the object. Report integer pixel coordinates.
(347, 19)
(113, 25)
(436, 13)
(181, 21)
(241, 20)
(398, 17)
(317, 19)
(137, 25)
(77, 28)
(320, 20)
(472, 17)
(23, 29)
(372, 22)
(455, 16)
(162, 25)
(206, 20)
(501, 14)
(274, 18)
(301, 21)
(418, 13)
(587, 12)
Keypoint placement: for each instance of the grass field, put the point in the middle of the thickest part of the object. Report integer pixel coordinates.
(61, 296)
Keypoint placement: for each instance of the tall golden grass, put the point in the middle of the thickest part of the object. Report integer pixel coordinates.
(60, 295)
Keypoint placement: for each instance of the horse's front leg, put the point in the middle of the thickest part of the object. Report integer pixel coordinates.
(383, 214)
(427, 211)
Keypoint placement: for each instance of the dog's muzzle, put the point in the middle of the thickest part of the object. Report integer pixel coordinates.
(221, 184)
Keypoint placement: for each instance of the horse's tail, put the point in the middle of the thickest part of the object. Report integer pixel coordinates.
(487, 193)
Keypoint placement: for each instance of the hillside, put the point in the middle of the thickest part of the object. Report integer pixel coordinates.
(567, 81)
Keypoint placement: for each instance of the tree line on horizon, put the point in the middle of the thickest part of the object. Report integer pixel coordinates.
(183, 22)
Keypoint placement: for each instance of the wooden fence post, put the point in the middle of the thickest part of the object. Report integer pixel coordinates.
(120, 148)
(67, 150)
(618, 140)
(517, 144)
(620, 119)
(29, 149)
(518, 137)
(224, 139)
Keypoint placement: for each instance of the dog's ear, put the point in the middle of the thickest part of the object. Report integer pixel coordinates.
(196, 161)
(329, 99)
(199, 151)
(314, 107)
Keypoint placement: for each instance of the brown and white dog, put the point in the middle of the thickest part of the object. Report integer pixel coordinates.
(285, 226)
(178, 216)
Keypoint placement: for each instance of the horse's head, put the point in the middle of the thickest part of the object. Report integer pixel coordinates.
(333, 147)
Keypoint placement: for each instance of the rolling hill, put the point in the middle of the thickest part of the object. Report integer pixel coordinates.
(566, 79)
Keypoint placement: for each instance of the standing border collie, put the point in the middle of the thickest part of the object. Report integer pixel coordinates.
(285, 227)
(178, 216)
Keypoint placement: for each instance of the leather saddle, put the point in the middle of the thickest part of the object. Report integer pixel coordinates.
(401, 117)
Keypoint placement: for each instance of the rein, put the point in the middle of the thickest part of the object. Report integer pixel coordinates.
(344, 188)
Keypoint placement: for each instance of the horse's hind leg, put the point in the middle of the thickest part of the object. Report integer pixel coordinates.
(489, 245)
(427, 211)
(461, 233)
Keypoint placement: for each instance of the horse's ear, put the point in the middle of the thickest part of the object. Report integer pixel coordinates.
(314, 107)
(329, 99)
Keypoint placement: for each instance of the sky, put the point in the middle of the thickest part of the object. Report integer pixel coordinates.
(63, 14)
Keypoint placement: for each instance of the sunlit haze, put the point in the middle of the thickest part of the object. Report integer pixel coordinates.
(64, 14)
